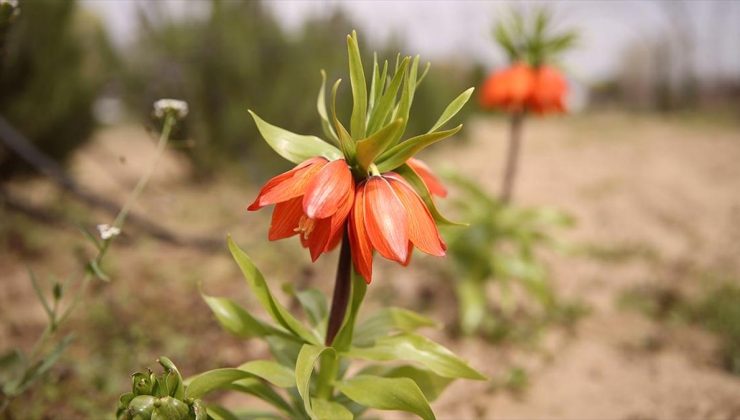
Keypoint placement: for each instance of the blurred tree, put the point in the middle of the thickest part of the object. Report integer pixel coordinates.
(50, 73)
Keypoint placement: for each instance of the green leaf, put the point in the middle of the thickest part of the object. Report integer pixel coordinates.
(206, 382)
(259, 287)
(329, 410)
(370, 148)
(40, 296)
(312, 301)
(430, 383)
(94, 269)
(452, 109)
(346, 143)
(304, 369)
(343, 339)
(423, 74)
(218, 412)
(407, 97)
(413, 178)
(400, 153)
(387, 394)
(389, 320)
(386, 103)
(260, 390)
(236, 320)
(270, 371)
(41, 367)
(321, 106)
(420, 350)
(294, 147)
(359, 87)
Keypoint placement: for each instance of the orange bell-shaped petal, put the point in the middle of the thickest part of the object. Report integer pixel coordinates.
(425, 173)
(288, 185)
(386, 220)
(423, 231)
(549, 92)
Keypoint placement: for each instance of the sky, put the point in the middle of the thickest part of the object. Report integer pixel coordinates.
(461, 29)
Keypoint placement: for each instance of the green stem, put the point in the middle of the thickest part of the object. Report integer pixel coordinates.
(50, 329)
(512, 156)
(339, 303)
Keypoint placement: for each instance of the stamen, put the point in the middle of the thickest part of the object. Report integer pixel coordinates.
(305, 226)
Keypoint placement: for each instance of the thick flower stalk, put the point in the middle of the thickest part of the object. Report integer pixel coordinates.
(530, 84)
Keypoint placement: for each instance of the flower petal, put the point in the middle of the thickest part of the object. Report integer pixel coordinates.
(386, 220)
(362, 251)
(422, 230)
(319, 238)
(339, 219)
(327, 190)
(285, 219)
(288, 185)
(425, 172)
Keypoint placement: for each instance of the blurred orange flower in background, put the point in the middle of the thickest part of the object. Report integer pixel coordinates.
(522, 88)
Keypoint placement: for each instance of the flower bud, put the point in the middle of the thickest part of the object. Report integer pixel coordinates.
(140, 407)
(175, 107)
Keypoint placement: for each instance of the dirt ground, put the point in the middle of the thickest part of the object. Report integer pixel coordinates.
(663, 190)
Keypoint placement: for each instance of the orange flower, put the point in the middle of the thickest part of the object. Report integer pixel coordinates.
(521, 88)
(388, 216)
(509, 89)
(549, 92)
(313, 200)
(425, 172)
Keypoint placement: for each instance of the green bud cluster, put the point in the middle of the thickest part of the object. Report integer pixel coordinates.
(159, 397)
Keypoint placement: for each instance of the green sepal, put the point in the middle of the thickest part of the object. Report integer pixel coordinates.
(172, 378)
(296, 148)
(419, 350)
(401, 394)
(259, 287)
(400, 153)
(370, 148)
(421, 188)
(321, 107)
(359, 87)
(452, 109)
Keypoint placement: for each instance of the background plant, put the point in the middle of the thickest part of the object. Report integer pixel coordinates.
(19, 369)
(500, 254)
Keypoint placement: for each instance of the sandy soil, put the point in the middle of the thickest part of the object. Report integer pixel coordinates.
(671, 187)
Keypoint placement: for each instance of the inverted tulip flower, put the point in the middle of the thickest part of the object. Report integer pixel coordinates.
(389, 217)
(530, 84)
(312, 200)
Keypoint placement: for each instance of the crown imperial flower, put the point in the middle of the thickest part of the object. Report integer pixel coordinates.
(361, 184)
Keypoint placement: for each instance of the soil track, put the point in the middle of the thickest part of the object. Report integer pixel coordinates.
(663, 192)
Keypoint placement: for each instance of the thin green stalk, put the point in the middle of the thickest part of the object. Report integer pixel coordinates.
(52, 327)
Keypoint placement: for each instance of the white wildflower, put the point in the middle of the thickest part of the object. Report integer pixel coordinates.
(176, 106)
(107, 231)
(12, 3)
